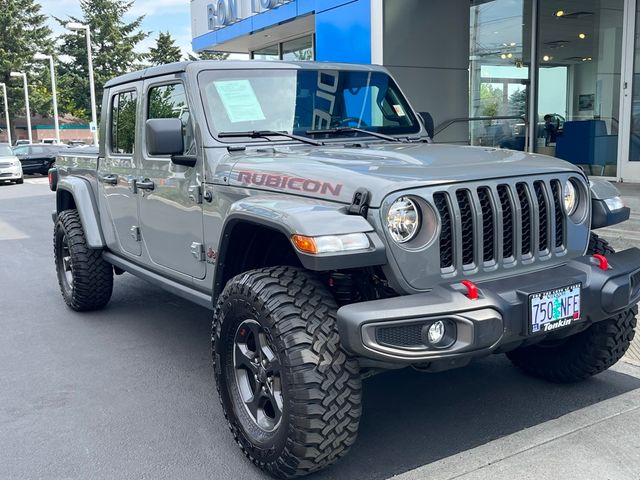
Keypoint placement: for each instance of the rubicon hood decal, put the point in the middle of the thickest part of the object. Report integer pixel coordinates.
(335, 172)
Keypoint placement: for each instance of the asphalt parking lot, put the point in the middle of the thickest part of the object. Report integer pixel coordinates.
(128, 392)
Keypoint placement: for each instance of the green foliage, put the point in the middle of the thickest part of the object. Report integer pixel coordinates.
(490, 100)
(165, 51)
(206, 55)
(24, 32)
(113, 43)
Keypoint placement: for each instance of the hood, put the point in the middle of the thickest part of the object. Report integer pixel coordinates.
(335, 173)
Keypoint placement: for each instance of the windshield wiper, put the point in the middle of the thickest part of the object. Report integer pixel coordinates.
(340, 130)
(269, 133)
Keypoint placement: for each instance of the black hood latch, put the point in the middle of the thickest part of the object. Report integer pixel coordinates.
(360, 203)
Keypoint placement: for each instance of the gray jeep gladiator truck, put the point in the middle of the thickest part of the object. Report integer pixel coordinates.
(308, 207)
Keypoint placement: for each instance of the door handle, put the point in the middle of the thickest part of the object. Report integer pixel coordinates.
(109, 179)
(145, 184)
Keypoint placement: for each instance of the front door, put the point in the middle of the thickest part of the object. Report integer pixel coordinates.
(117, 172)
(170, 203)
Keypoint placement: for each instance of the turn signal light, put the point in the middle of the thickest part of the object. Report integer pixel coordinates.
(305, 244)
(331, 243)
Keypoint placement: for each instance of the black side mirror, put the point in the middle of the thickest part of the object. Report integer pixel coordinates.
(164, 136)
(427, 120)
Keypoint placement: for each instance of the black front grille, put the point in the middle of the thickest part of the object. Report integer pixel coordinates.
(557, 199)
(402, 336)
(507, 221)
(525, 213)
(466, 218)
(541, 198)
(446, 243)
(512, 221)
(488, 236)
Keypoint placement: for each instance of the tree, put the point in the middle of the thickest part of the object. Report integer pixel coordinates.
(207, 55)
(24, 32)
(113, 43)
(165, 51)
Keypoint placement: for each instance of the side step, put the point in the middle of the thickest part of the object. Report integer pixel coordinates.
(176, 288)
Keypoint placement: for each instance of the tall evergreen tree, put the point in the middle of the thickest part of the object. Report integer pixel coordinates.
(23, 32)
(207, 55)
(165, 51)
(113, 43)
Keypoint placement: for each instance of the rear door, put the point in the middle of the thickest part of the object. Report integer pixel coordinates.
(171, 202)
(118, 170)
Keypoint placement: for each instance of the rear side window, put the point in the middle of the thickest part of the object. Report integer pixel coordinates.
(123, 122)
(170, 101)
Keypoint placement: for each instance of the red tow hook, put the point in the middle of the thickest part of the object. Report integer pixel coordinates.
(472, 289)
(603, 263)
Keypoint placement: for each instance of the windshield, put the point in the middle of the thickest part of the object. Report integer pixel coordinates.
(296, 101)
(5, 151)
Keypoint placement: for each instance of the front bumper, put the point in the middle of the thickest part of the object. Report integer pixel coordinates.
(394, 330)
(10, 173)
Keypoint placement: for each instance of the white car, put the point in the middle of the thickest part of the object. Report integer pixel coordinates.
(10, 166)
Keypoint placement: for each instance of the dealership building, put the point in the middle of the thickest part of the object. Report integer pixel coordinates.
(547, 76)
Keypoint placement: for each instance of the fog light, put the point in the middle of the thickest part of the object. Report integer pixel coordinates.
(436, 332)
(440, 334)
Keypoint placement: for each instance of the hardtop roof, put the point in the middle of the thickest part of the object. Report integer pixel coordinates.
(195, 66)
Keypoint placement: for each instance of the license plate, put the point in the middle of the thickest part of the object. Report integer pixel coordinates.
(554, 309)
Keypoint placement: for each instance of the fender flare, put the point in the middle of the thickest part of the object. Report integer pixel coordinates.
(301, 216)
(601, 214)
(84, 200)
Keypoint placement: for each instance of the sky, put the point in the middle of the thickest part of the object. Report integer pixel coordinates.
(160, 16)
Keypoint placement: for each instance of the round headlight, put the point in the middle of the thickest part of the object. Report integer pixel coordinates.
(403, 220)
(570, 197)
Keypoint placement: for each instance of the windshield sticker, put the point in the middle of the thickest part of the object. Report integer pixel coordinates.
(399, 110)
(239, 100)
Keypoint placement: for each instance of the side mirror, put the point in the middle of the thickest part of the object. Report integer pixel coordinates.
(427, 120)
(164, 136)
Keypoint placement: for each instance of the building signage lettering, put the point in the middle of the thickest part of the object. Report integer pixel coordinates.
(221, 13)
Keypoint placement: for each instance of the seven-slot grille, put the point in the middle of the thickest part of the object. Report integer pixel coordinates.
(499, 224)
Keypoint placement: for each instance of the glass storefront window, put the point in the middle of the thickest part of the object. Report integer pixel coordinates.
(268, 53)
(499, 73)
(634, 145)
(580, 56)
(298, 49)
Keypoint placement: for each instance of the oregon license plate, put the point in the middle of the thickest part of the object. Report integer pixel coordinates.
(554, 309)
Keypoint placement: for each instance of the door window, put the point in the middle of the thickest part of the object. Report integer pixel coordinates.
(123, 122)
(170, 101)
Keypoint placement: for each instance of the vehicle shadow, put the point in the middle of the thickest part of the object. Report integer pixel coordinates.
(409, 418)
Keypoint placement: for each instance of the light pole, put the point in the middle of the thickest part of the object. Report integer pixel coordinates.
(76, 27)
(42, 56)
(26, 100)
(6, 111)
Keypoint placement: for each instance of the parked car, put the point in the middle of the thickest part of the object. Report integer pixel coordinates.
(10, 167)
(37, 158)
(22, 142)
(306, 205)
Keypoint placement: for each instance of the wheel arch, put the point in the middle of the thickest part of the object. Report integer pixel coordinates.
(76, 193)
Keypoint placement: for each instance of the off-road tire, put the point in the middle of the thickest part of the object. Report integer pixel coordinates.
(587, 353)
(20, 181)
(321, 384)
(92, 283)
